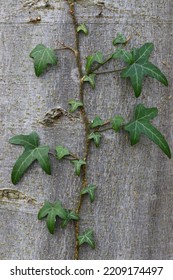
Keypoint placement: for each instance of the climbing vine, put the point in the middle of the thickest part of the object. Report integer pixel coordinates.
(136, 66)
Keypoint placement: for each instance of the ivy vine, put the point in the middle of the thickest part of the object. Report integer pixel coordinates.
(136, 67)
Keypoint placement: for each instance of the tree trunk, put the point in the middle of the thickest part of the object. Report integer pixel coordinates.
(132, 213)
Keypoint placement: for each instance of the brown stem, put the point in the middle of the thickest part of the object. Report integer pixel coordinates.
(74, 156)
(67, 48)
(107, 122)
(85, 122)
(102, 126)
(108, 72)
(104, 129)
(128, 39)
(100, 65)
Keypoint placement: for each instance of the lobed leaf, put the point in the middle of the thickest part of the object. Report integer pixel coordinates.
(141, 67)
(97, 122)
(31, 153)
(70, 216)
(96, 137)
(97, 57)
(45, 210)
(87, 237)
(116, 123)
(62, 152)
(52, 210)
(90, 190)
(78, 164)
(91, 79)
(120, 39)
(42, 57)
(82, 27)
(141, 125)
(75, 104)
(124, 55)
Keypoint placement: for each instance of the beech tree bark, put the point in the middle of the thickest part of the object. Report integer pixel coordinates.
(132, 216)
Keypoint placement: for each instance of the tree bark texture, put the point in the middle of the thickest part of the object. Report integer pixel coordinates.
(132, 216)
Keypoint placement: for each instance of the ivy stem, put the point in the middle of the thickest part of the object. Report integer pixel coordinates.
(67, 48)
(100, 65)
(128, 39)
(74, 156)
(107, 122)
(104, 129)
(109, 72)
(84, 117)
(66, 157)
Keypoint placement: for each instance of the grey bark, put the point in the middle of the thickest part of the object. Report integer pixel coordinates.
(132, 215)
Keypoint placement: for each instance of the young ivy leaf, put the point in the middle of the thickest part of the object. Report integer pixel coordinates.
(87, 237)
(116, 123)
(120, 39)
(97, 57)
(91, 191)
(31, 153)
(141, 125)
(43, 57)
(78, 164)
(70, 216)
(141, 67)
(52, 210)
(124, 55)
(82, 27)
(96, 137)
(91, 79)
(75, 104)
(97, 122)
(62, 152)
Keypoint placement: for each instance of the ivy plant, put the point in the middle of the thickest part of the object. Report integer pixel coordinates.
(43, 57)
(33, 151)
(54, 210)
(141, 125)
(136, 67)
(87, 237)
(139, 67)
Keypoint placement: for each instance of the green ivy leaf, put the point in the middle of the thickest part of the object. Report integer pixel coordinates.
(96, 137)
(91, 79)
(75, 104)
(141, 125)
(97, 57)
(82, 27)
(62, 152)
(78, 164)
(52, 210)
(141, 67)
(91, 191)
(43, 57)
(31, 153)
(124, 55)
(116, 123)
(120, 39)
(97, 122)
(70, 216)
(87, 237)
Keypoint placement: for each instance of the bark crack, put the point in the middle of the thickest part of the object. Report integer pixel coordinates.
(12, 194)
